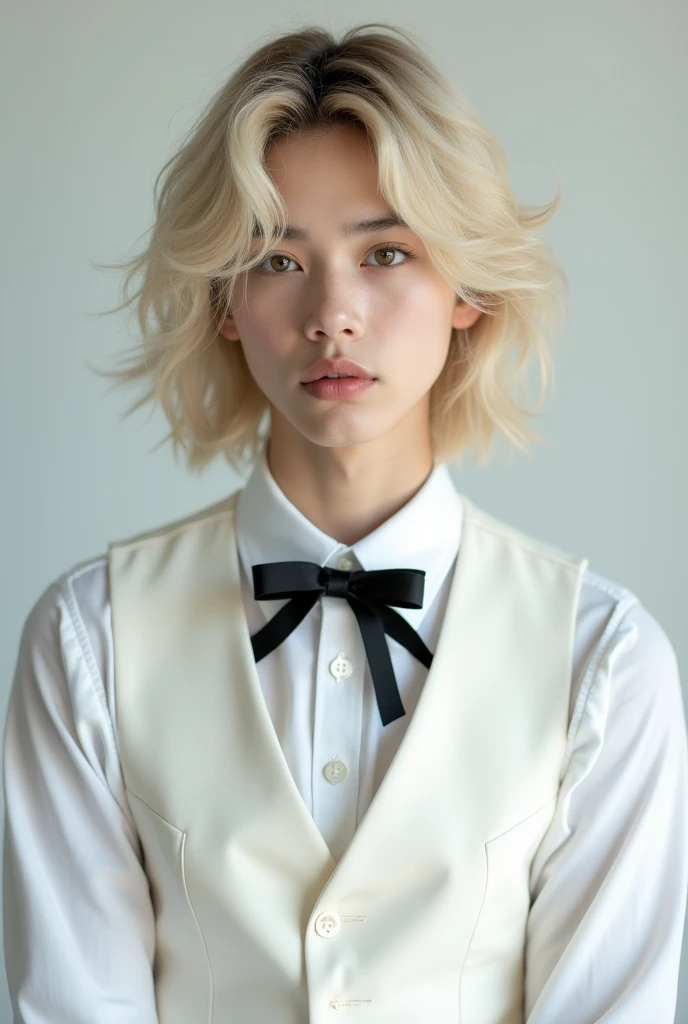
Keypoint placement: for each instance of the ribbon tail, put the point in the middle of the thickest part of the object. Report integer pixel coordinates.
(384, 681)
(281, 624)
(400, 630)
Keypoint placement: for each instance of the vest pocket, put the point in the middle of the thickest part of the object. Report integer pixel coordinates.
(492, 977)
(183, 980)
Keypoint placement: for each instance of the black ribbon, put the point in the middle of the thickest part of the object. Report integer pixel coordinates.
(369, 594)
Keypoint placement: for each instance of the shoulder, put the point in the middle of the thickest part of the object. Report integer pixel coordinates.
(518, 540)
(57, 672)
(620, 646)
(626, 674)
(56, 602)
(70, 619)
(222, 509)
(621, 629)
(67, 617)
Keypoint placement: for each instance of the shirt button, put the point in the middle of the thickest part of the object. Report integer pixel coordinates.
(328, 923)
(341, 667)
(335, 771)
(346, 562)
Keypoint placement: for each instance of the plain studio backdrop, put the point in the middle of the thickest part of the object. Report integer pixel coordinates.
(590, 95)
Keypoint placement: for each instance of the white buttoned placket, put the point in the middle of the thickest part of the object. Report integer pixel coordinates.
(340, 674)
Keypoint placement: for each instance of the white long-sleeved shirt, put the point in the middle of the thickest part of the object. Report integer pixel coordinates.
(608, 882)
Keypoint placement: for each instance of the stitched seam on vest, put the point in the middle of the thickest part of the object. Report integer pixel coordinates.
(190, 905)
(550, 800)
(200, 930)
(471, 937)
(146, 804)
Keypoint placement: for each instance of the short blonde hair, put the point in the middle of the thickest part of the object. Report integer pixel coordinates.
(439, 168)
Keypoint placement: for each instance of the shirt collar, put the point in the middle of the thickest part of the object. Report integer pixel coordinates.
(424, 534)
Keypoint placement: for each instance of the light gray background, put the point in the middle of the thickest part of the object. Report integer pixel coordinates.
(591, 94)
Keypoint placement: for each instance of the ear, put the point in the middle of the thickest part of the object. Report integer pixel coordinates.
(228, 329)
(464, 315)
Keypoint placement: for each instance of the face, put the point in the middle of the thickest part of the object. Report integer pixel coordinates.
(372, 297)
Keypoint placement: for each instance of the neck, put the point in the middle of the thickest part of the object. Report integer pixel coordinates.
(348, 492)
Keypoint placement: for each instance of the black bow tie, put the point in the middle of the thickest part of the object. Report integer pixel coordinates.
(369, 595)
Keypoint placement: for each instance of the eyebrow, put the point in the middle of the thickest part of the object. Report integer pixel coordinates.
(359, 227)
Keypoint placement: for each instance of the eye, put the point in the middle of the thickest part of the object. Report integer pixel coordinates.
(387, 249)
(273, 257)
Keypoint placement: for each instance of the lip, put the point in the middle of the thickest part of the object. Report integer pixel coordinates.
(326, 366)
(344, 387)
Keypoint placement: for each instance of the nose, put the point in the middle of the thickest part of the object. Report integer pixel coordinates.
(333, 301)
(331, 316)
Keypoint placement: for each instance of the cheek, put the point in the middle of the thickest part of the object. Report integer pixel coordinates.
(257, 308)
(421, 322)
(262, 351)
(419, 303)
(260, 329)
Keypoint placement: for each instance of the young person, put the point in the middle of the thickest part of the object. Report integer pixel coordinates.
(343, 740)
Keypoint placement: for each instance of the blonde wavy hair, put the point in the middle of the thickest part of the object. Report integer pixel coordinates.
(439, 168)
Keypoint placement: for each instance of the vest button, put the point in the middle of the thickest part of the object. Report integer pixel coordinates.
(335, 771)
(328, 923)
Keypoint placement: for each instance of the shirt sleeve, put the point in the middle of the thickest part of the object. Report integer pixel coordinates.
(78, 921)
(610, 879)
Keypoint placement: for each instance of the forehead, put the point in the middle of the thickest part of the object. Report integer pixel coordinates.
(326, 174)
(326, 143)
(328, 181)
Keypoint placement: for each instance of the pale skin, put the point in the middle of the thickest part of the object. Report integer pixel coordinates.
(346, 464)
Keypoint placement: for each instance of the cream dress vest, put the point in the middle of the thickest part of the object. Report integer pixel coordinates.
(423, 919)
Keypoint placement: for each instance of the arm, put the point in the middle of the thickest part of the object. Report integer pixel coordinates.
(610, 879)
(79, 928)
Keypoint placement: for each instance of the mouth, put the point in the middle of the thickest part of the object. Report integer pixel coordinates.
(337, 369)
(330, 388)
(340, 376)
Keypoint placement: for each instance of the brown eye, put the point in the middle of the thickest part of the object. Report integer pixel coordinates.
(389, 253)
(275, 264)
